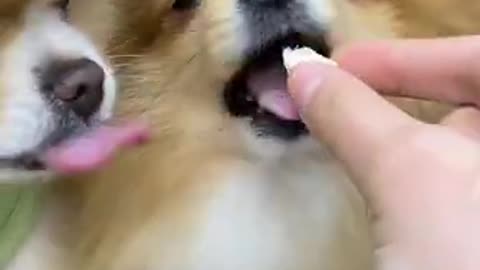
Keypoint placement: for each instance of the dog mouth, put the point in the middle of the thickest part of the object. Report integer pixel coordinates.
(258, 91)
(82, 153)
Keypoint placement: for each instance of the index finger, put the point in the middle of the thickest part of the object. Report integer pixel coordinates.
(352, 119)
(445, 70)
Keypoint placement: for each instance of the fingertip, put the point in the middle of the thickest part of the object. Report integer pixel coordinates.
(305, 81)
(306, 69)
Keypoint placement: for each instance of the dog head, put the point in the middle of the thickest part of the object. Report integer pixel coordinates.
(220, 61)
(54, 86)
(209, 75)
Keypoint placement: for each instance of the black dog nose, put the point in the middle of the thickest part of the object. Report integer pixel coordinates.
(78, 84)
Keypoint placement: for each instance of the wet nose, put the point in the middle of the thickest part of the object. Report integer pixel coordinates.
(78, 84)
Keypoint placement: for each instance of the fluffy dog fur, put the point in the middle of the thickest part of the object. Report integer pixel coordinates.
(434, 18)
(208, 193)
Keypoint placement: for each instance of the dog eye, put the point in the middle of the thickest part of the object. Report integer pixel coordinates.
(185, 4)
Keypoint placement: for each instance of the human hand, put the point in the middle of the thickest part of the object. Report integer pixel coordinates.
(421, 180)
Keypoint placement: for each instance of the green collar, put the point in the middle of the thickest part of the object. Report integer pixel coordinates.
(19, 207)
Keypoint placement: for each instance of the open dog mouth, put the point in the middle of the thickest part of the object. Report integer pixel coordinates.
(82, 153)
(258, 90)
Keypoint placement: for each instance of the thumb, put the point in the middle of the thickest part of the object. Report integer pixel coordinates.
(351, 118)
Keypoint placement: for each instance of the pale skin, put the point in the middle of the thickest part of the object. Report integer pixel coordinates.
(421, 180)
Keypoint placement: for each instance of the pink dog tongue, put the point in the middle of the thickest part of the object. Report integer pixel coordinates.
(270, 88)
(92, 150)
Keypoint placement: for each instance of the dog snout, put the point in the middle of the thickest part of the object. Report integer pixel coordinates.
(77, 84)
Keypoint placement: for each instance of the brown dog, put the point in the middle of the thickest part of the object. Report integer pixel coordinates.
(232, 180)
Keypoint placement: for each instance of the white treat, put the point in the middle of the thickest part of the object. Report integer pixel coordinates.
(293, 57)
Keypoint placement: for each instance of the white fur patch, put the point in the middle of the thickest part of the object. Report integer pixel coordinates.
(322, 11)
(276, 215)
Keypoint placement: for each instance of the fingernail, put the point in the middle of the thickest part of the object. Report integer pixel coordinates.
(306, 69)
(293, 57)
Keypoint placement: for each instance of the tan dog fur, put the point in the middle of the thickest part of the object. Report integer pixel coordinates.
(434, 18)
(150, 209)
(154, 209)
